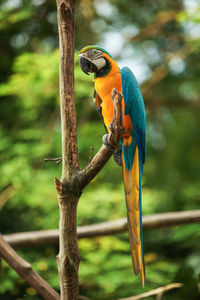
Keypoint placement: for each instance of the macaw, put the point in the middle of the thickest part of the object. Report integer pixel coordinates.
(108, 75)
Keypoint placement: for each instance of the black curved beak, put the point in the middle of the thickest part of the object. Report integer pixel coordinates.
(86, 65)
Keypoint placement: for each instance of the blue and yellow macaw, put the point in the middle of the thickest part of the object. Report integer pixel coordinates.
(107, 75)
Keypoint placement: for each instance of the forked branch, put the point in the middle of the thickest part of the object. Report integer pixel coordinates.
(73, 181)
(25, 270)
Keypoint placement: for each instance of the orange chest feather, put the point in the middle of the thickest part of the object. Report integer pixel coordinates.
(103, 87)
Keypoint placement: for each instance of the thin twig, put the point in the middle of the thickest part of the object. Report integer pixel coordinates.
(45, 237)
(53, 159)
(157, 291)
(25, 270)
(91, 155)
(57, 159)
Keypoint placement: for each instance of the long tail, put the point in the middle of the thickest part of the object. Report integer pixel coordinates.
(133, 193)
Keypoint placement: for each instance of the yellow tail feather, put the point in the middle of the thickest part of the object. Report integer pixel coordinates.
(131, 187)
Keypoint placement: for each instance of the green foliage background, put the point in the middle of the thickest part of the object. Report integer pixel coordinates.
(163, 38)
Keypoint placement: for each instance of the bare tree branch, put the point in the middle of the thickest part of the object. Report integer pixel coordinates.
(70, 161)
(68, 195)
(25, 270)
(45, 237)
(159, 292)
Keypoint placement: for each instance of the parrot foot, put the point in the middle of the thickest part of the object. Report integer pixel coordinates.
(104, 140)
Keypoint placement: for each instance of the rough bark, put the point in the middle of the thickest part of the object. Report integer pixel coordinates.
(25, 270)
(68, 258)
(70, 162)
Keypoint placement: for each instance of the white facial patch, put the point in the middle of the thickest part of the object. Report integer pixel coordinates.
(95, 57)
(99, 62)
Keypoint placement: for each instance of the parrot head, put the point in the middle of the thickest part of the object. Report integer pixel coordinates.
(94, 59)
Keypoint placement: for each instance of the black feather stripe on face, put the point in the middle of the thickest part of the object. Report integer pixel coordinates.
(87, 66)
(103, 71)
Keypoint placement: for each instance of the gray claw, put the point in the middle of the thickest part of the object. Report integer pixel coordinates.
(104, 140)
(117, 155)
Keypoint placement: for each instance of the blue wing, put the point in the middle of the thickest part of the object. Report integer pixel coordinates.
(134, 107)
(133, 160)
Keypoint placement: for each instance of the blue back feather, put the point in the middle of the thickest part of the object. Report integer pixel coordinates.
(134, 107)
